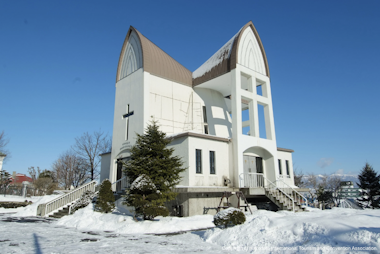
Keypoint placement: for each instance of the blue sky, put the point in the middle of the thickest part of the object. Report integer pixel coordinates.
(58, 63)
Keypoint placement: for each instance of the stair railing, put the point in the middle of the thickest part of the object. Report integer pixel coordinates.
(121, 184)
(293, 192)
(272, 187)
(64, 200)
(258, 180)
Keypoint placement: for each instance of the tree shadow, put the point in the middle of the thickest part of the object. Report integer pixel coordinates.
(36, 244)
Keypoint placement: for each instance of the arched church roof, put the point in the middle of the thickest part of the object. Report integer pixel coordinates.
(154, 61)
(226, 58)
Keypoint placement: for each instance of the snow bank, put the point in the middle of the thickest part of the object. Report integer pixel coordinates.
(337, 230)
(224, 213)
(87, 219)
(309, 232)
(30, 210)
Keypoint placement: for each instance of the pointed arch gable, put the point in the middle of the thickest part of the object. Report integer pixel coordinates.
(139, 52)
(131, 55)
(249, 41)
(255, 56)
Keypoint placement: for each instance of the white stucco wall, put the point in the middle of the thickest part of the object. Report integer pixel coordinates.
(175, 106)
(129, 90)
(185, 148)
(286, 156)
(105, 166)
(181, 147)
(222, 158)
(218, 119)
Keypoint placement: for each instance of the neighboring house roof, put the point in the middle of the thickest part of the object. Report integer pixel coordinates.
(21, 178)
(156, 61)
(226, 58)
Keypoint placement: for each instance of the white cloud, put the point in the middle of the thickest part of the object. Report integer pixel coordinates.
(324, 162)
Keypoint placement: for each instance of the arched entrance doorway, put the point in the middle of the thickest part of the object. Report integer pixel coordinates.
(258, 166)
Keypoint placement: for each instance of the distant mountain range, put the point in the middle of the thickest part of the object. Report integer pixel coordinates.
(344, 177)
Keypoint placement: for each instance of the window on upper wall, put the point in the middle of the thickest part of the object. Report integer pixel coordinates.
(198, 161)
(205, 120)
(287, 168)
(279, 167)
(212, 162)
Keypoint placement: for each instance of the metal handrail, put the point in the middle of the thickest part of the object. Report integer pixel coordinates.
(64, 200)
(283, 192)
(299, 194)
(119, 183)
(264, 185)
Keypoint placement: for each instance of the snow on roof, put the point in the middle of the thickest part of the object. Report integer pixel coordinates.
(223, 53)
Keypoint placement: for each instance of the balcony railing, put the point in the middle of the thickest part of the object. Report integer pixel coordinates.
(252, 180)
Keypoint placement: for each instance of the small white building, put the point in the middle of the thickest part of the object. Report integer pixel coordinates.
(204, 112)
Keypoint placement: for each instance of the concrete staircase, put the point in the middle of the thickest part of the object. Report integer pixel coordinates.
(60, 203)
(284, 202)
(60, 213)
(280, 193)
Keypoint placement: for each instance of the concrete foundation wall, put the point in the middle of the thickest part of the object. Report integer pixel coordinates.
(196, 203)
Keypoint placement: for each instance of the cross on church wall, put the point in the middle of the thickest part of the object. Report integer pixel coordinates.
(127, 115)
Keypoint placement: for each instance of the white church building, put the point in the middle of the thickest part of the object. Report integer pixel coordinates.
(211, 114)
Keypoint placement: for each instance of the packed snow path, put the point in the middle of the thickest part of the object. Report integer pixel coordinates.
(39, 235)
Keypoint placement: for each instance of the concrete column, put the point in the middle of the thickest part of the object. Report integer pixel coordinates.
(236, 125)
(268, 113)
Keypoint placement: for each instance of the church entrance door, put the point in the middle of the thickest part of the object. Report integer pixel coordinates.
(253, 170)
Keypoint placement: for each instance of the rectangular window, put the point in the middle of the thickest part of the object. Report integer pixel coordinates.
(205, 120)
(287, 168)
(279, 167)
(198, 161)
(212, 162)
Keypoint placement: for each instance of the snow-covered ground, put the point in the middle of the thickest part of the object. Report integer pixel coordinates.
(30, 210)
(331, 231)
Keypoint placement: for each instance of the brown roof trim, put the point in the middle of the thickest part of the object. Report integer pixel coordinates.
(104, 153)
(285, 150)
(157, 62)
(199, 135)
(229, 64)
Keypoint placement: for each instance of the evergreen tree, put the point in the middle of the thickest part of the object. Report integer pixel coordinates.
(369, 182)
(323, 195)
(105, 202)
(151, 157)
(146, 199)
(5, 180)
